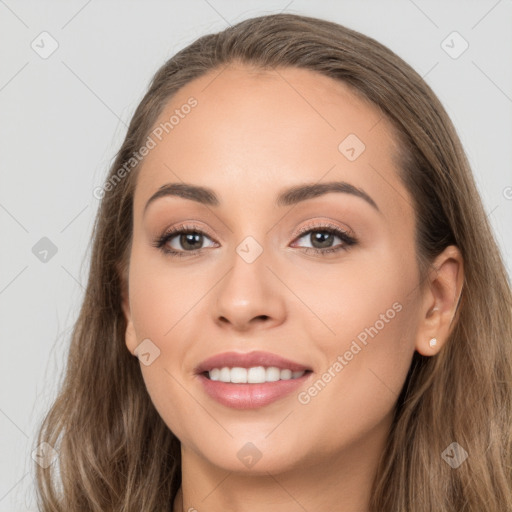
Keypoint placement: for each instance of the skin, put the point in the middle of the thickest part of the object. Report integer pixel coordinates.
(251, 135)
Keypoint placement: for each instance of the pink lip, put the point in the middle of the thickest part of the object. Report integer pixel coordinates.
(249, 396)
(248, 360)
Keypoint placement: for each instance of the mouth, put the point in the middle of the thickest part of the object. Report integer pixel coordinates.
(250, 380)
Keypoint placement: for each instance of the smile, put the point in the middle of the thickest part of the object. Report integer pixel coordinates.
(253, 375)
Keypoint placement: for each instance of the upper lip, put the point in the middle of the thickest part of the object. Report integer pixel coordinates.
(249, 360)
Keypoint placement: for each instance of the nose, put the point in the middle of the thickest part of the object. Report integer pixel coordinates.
(249, 296)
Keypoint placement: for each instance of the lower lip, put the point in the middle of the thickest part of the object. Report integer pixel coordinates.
(250, 396)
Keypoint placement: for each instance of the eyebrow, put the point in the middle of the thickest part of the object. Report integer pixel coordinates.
(287, 197)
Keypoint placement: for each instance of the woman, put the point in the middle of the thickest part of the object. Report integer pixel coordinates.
(218, 363)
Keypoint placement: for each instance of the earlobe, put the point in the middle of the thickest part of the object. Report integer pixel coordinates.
(130, 336)
(440, 302)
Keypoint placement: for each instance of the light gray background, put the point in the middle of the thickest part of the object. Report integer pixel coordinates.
(64, 117)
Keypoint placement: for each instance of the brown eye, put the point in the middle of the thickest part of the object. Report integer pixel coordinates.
(322, 238)
(182, 240)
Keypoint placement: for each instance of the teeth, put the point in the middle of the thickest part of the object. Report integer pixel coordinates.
(254, 375)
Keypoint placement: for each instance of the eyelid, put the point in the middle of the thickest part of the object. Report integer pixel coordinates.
(318, 224)
(187, 225)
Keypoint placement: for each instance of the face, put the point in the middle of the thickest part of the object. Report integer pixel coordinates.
(326, 279)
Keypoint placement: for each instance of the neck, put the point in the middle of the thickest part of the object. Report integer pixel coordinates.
(339, 481)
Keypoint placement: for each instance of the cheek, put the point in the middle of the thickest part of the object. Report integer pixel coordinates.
(162, 296)
(366, 295)
(365, 368)
(369, 308)
(163, 306)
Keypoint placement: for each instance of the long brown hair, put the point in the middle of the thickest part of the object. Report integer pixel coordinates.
(115, 451)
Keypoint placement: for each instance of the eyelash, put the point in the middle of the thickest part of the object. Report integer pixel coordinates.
(348, 240)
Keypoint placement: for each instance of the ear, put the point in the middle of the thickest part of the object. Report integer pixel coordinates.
(130, 336)
(440, 301)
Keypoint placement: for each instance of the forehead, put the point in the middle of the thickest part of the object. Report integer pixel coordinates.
(269, 129)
